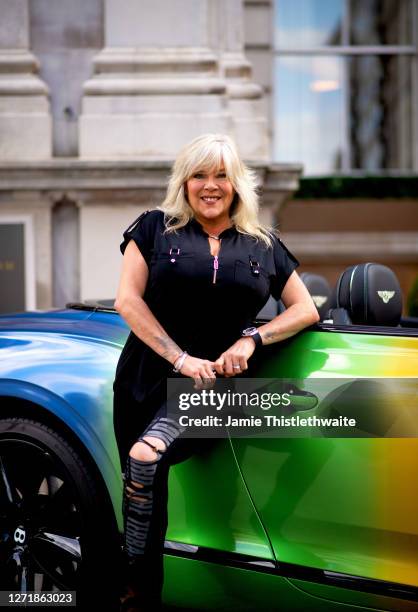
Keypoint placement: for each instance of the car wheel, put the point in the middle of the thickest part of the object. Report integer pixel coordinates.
(52, 531)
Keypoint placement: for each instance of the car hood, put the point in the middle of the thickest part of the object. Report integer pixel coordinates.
(102, 325)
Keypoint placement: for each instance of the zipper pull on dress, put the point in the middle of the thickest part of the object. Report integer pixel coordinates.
(174, 252)
(215, 268)
(254, 267)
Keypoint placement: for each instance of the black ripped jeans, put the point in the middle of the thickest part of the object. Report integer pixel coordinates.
(145, 507)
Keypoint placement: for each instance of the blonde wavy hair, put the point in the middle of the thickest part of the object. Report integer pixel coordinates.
(207, 153)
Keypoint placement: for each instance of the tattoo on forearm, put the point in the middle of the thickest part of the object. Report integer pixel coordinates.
(271, 336)
(168, 345)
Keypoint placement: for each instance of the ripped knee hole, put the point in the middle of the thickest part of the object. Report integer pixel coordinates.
(148, 449)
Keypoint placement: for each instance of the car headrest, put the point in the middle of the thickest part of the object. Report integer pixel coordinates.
(271, 309)
(320, 291)
(371, 294)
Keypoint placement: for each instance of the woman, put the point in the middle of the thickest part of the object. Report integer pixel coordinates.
(195, 273)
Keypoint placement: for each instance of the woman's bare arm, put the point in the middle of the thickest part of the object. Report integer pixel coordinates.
(300, 313)
(130, 305)
(133, 309)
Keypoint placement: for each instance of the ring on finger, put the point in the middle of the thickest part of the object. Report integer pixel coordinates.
(236, 367)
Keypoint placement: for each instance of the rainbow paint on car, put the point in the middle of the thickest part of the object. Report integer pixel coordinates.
(309, 523)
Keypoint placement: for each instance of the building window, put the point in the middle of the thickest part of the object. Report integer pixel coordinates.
(345, 82)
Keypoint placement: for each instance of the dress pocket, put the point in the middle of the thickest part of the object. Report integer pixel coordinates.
(174, 268)
(251, 281)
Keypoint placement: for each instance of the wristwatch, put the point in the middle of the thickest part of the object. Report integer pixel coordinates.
(253, 333)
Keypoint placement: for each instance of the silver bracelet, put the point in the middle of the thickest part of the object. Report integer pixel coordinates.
(178, 364)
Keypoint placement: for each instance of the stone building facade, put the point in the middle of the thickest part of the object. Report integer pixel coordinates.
(95, 102)
(96, 99)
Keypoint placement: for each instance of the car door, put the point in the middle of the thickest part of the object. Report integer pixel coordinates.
(341, 512)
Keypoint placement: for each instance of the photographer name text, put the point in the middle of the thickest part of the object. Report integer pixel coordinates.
(267, 419)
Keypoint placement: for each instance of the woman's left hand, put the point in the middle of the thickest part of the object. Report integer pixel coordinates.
(234, 360)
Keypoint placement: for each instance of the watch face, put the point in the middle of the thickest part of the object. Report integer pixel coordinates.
(249, 331)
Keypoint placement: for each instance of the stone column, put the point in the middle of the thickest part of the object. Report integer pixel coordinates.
(156, 83)
(25, 121)
(246, 98)
(169, 72)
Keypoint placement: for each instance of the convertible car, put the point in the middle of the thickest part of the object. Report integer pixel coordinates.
(258, 523)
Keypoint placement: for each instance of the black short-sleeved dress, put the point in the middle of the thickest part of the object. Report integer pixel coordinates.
(202, 302)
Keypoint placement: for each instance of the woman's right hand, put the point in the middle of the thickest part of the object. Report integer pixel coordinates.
(201, 370)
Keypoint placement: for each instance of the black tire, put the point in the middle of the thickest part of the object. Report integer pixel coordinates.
(47, 494)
